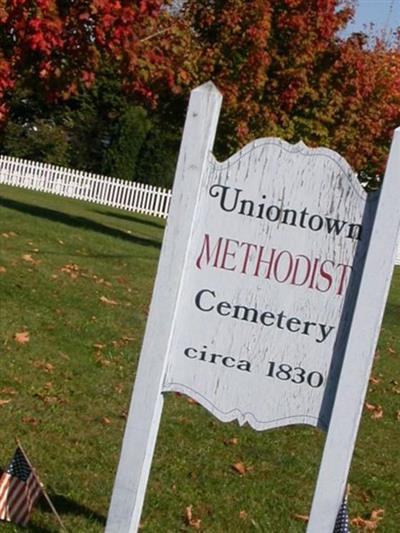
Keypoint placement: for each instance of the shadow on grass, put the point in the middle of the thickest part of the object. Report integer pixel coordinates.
(130, 218)
(66, 506)
(75, 221)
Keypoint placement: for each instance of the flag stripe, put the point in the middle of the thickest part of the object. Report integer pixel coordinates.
(19, 489)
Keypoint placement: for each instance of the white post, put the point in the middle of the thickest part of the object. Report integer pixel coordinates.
(359, 353)
(147, 400)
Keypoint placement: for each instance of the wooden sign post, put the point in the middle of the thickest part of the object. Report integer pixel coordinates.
(267, 305)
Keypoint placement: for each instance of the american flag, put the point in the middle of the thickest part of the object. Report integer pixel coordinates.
(19, 489)
(342, 521)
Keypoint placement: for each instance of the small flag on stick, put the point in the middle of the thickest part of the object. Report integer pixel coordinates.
(19, 490)
(342, 521)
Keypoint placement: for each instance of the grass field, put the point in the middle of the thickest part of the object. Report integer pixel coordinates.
(76, 281)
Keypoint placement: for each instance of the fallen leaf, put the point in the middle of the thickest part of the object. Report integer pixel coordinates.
(240, 468)
(398, 415)
(8, 390)
(195, 523)
(105, 421)
(191, 401)
(374, 381)
(243, 515)
(377, 514)
(46, 367)
(231, 442)
(4, 402)
(30, 420)
(302, 517)
(101, 360)
(2, 269)
(51, 400)
(368, 524)
(99, 346)
(29, 259)
(376, 410)
(22, 337)
(107, 301)
(390, 350)
(119, 387)
(72, 270)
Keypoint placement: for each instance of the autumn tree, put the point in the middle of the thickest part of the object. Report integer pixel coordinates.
(78, 70)
(57, 47)
(285, 70)
(283, 66)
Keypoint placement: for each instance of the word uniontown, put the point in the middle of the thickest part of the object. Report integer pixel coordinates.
(280, 266)
(231, 201)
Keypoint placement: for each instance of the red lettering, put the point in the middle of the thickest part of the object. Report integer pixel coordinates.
(342, 277)
(288, 268)
(228, 253)
(206, 253)
(294, 280)
(269, 262)
(325, 275)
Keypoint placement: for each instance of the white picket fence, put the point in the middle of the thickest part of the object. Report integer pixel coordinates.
(136, 197)
(103, 190)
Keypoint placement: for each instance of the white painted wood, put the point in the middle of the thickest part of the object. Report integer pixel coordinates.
(360, 349)
(145, 411)
(278, 353)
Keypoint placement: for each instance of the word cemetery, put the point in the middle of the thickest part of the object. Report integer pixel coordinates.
(268, 300)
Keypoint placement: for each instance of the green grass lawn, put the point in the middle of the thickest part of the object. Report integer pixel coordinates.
(76, 281)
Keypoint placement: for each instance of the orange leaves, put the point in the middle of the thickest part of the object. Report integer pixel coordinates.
(375, 410)
(231, 442)
(366, 525)
(29, 259)
(22, 337)
(370, 524)
(72, 270)
(46, 367)
(302, 517)
(31, 421)
(190, 518)
(240, 468)
(107, 301)
(284, 72)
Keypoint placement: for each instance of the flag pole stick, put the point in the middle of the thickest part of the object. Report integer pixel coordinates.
(44, 492)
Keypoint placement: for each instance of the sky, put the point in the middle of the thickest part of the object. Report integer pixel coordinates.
(384, 14)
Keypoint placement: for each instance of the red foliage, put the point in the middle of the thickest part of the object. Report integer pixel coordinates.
(60, 45)
(282, 66)
(284, 71)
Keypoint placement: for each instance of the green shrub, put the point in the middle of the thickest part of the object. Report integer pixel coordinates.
(121, 157)
(157, 159)
(39, 140)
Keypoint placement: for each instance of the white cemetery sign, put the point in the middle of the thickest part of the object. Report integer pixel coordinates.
(271, 286)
